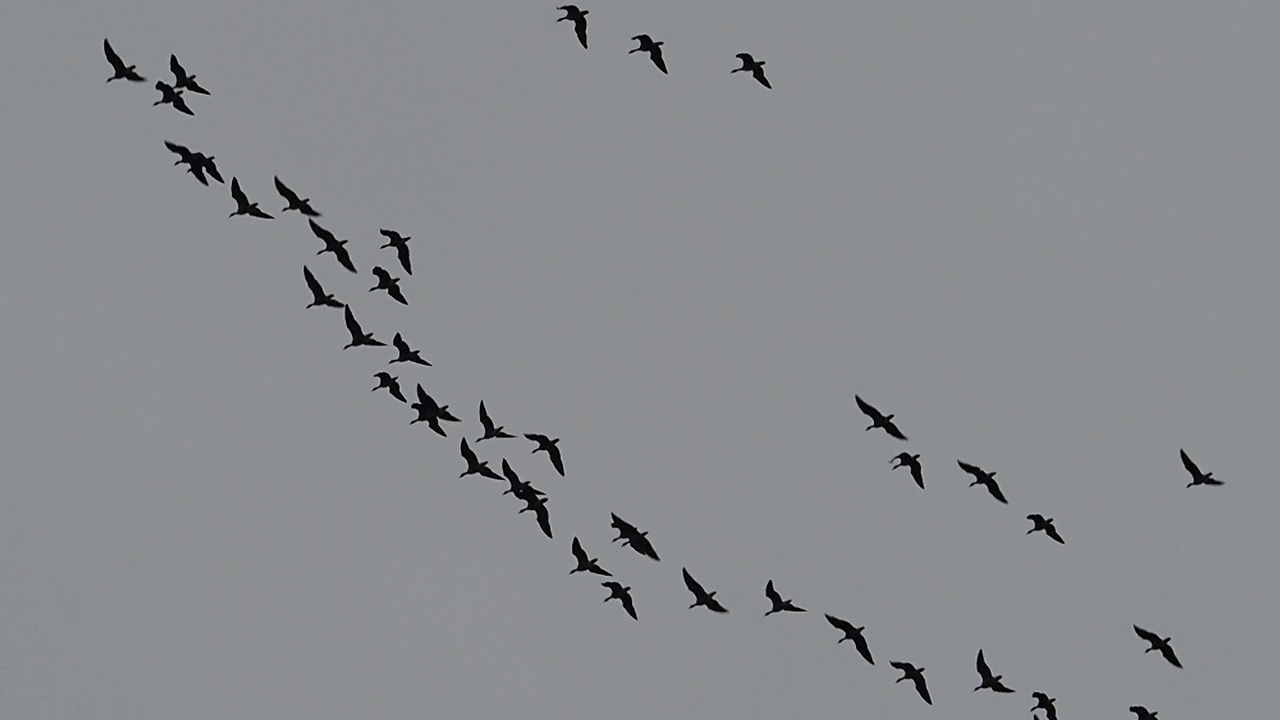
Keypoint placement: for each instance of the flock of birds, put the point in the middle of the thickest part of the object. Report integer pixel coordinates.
(429, 411)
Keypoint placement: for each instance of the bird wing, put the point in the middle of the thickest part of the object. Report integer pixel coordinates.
(922, 688)
(839, 624)
(352, 326)
(1052, 532)
(319, 232)
(580, 26)
(772, 594)
(693, 585)
(424, 398)
(112, 57)
(983, 669)
(918, 474)
(994, 489)
(578, 552)
(715, 606)
(487, 421)
(382, 275)
(176, 68)
(400, 344)
(402, 251)
(642, 545)
(236, 193)
(893, 430)
(554, 452)
(868, 410)
(212, 169)
(1189, 465)
(313, 284)
(286, 193)
(468, 454)
(973, 470)
(746, 58)
(544, 517)
(179, 104)
(1167, 651)
(861, 644)
(656, 56)
(344, 258)
(629, 605)
(181, 150)
(396, 294)
(1147, 635)
(759, 75)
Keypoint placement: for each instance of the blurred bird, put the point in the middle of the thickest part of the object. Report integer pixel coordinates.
(358, 336)
(521, 489)
(333, 245)
(475, 466)
(538, 505)
(701, 596)
(1197, 477)
(579, 18)
(392, 384)
(1142, 713)
(318, 295)
(401, 244)
(779, 605)
(585, 563)
(616, 590)
(630, 535)
(915, 675)
(302, 205)
(243, 206)
(388, 283)
(852, 633)
(989, 681)
(1045, 703)
(907, 460)
(1158, 643)
(182, 80)
(983, 478)
(197, 163)
(653, 48)
(751, 65)
(169, 96)
(490, 431)
(431, 412)
(879, 420)
(406, 353)
(122, 71)
(1046, 525)
(550, 447)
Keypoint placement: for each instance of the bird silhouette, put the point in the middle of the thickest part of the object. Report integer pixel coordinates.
(318, 295)
(406, 353)
(475, 466)
(779, 605)
(169, 96)
(401, 244)
(197, 163)
(1197, 477)
(653, 48)
(879, 420)
(392, 384)
(431, 413)
(1142, 712)
(989, 681)
(907, 460)
(616, 590)
(552, 449)
(302, 205)
(853, 633)
(358, 336)
(182, 80)
(585, 563)
(538, 505)
(1158, 643)
(701, 596)
(243, 206)
(630, 535)
(1046, 525)
(982, 477)
(521, 489)
(490, 430)
(1045, 703)
(122, 71)
(333, 245)
(753, 66)
(915, 675)
(388, 283)
(579, 18)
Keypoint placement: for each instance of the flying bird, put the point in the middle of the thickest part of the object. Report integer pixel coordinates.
(701, 596)
(182, 80)
(490, 430)
(585, 563)
(122, 71)
(753, 66)
(1045, 703)
(915, 675)
(406, 353)
(622, 593)
(388, 283)
(878, 419)
(1046, 525)
(522, 490)
(196, 162)
(318, 295)
(243, 206)
(358, 336)
(476, 467)
(1142, 713)
(538, 505)
(169, 96)
(779, 605)
(1158, 643)
(982, 477)
(907, 460)
(989, 681)
(852, 633)
(392, 384)
(653, 48)
(1197, 477)
(579, 18)
(431, 413)
(302, 205)
(401, 244)
(630, 535)
(333, 245)
(551, 448)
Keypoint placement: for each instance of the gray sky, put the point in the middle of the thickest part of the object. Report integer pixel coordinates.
(1045, 237)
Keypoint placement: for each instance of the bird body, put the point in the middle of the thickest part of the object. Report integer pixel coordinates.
(1142, 712)
(1197, 477)
(430, 412)
(332, 244)
(197, 162)
(851, 632)
(1045, 525)
(907, 460)
(1158, 643)
(916, 676)
(1045, 703)
(984, 478)
(538, 504)
(522, 490)
(700, 595)
(579, 19)
(753, 66)
(654, 49)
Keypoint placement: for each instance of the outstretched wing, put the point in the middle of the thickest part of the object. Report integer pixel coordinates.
(868, 410)
(237, 194)
(554, 452)
(1189, 464)
(772, 594)
(692, 584)
(290, 196)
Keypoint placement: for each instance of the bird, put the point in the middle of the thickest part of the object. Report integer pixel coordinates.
(182, 80)
(579, 18)
(630, 535)
(122, 71)
(915, 675)
(1046, 524)
(1142, 712)
(983, 478)
(879, 420)
(302, 205)
(585, 563)
(539, 507)
(1197, 477)
(169, 96)
(616, 590)
(701, 596)
(852, 633)
(243, 206)
(475, 466)
(195, 161)
(1045, 703)
(392, 384)
(358, 336)
(653, 48)
(549, 445)
(779, 605)
(407, 354)
(522, 490)
(908, 460)
(1158, 643)
(318, 295)
(753, 66)
(210, 168)
(431, 413)
(989, 681)
(490, 430)
(333, 245)
(401, 244)
(388, 283)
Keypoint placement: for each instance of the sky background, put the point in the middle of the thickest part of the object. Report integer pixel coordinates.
(1044, 236)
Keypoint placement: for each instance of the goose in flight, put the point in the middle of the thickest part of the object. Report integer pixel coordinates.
(1197, 477)
(779, 605)
(1045, 525)
(388, 283)
(392, 384)
(318, 296)
(490, 430)
(302, 205)
(586, 563)
(182, 80)
(853, 633)
(753, 66)
(616, 590)
(701, 596)
(1158, 643)
(1142, 712)
(521, 489)
(653, 48)
(333, 245)
(538, 504)
(630, 535)
(989, 681)
(475, 466)
(122, 71)
(552, 449)
(169, 96)
(907, 460)
(579, 18)
(407, 354)
(243, 206)
(431, 412)
(197, 163)
(878, 419)
(401, 244)
(1045, 703)
(915, 675)
(984, 478)
(358, 336)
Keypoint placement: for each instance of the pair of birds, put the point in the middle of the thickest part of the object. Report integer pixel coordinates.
(990, 681)
(385, 281)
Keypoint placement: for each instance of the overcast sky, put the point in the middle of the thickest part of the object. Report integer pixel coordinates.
(1045, 236)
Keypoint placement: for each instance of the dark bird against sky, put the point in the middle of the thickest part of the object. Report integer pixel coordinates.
(907, 460)
(630, 535)
(989, 681)
(407, 354)
(197, 163)
(243, 206)
(1143, 713)
(1158, 643)
(477, 467)
(431, 413)
(1197, 477)
(388, 283)
(653, 48)
(878, 419)
(779, 605)
(401, 244)
(1045, 703)
(169, 96)
(586, 563)
(358, 336)
(122, 71)
(302, 205)
(579, 19)
(182, 80)
(756, 68)
(318, 296)
(1045, 525)
(392, 384)
(490, 430)
(915, 675)
(984, 478)
(538, 505)
(701, 596)
(333, 245)
(551, 447)
(616, 590)
(854, 633)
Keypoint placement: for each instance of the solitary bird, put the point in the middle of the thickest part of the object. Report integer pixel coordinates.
(1045, 703)
(302, 205)
(122, 71)
(392, 384)
(915, 675)
(401, 244)
(388, 283)
(551, 448)
(579, 18)
(521, 489)
(407, 354)
(585, 563)
(982, 477)
(333, 245)
(852, 633)
(1197, 477)
(1158, 643)
(989, 681)
(616, 590)
(431, 412)
(169, 96)
(197, 163)
(358, 336)
(630, 535)
(538, 505)
(318, 295)
(701, 596)
(753, 66)
(1143, 713)
(878, 419)
(907, 460)
(1045, 524)
(490, 430)
(779, 605)
(653, 48)
(182, 80)
(475, 466)
(243, 206)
